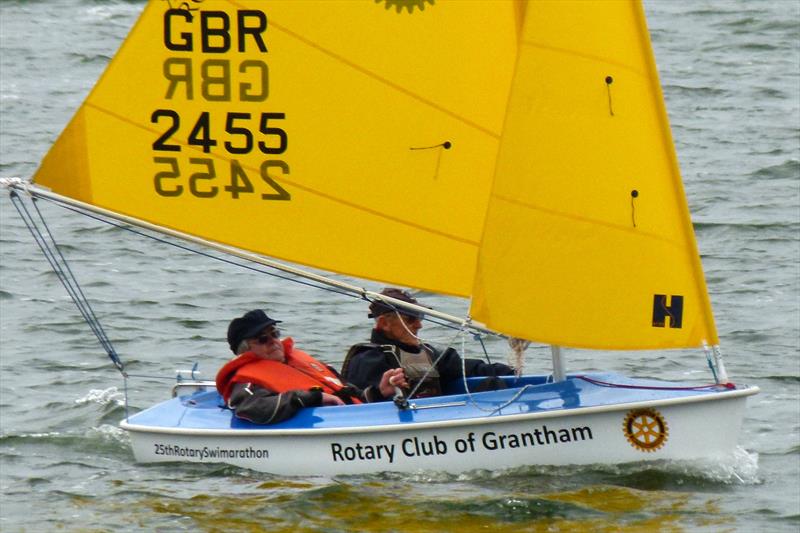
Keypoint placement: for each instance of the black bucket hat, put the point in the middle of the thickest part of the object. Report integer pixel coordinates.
(248, 326)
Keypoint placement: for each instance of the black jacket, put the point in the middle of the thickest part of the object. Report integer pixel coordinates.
(365, 367)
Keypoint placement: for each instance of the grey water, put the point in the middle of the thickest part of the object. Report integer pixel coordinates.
(730, 72)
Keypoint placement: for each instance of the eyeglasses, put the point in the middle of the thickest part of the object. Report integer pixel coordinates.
(267, 337)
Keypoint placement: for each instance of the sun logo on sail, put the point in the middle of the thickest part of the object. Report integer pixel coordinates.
(645, 429)
(407, 4)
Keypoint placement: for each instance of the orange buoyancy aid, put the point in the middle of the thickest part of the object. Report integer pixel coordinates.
(299, 372)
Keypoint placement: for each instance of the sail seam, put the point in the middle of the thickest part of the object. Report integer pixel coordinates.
(587, 220)
(386, 82)
(283, 179)
(591, 57)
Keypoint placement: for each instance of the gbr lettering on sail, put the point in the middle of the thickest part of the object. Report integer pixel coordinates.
(217, 59)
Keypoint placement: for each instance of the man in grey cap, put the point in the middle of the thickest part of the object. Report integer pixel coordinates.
(394, 344)
(269, 380)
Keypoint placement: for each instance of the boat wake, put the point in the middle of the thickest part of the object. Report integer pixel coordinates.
(110, 434)
(738, 468)
(103, 397)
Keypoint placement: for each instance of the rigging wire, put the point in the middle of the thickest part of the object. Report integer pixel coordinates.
(60, 266)
(193, 250)
(601, 383)
(439, 358)
(47, 243)
(58, 262)
(461, 332)
(229, 261)
(468, 393)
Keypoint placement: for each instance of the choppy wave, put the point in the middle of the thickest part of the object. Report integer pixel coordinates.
(758, 226)
(102, 438)
(787, 169)
(741, 467)
(103, 397)
(697, 90)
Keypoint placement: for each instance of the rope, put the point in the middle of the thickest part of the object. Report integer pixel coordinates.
(60, 266)
(47, 243)
(432, 320)
(466, 386)
(439, 358)
(80, 300)
(518, 347)
(478, 338)
(462, 330)
(654, 387)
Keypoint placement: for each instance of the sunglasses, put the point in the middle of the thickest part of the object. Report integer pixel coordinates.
(267, 337)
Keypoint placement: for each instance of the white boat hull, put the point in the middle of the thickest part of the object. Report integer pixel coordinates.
(677, 429)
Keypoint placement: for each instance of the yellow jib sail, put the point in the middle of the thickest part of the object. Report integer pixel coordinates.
(587, 240)
(341, 135)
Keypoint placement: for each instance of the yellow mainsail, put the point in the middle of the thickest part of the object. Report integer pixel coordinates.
(587, 240)
(337, 134)
(517, 152)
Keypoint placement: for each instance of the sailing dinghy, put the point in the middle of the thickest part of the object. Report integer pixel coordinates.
(515, 153)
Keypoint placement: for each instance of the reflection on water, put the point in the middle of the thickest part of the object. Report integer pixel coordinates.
(436, 506)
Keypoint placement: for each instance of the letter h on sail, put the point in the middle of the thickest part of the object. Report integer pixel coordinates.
(661, 310)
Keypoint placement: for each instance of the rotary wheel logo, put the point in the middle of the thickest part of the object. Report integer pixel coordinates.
(399, 5)
(645, 429)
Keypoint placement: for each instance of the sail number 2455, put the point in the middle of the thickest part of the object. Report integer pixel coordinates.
(200, 177)
(240, 138)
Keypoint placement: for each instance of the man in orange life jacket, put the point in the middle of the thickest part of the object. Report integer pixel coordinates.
(394, 344)
(269, 380)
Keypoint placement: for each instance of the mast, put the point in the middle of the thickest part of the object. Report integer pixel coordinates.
(559, 373)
